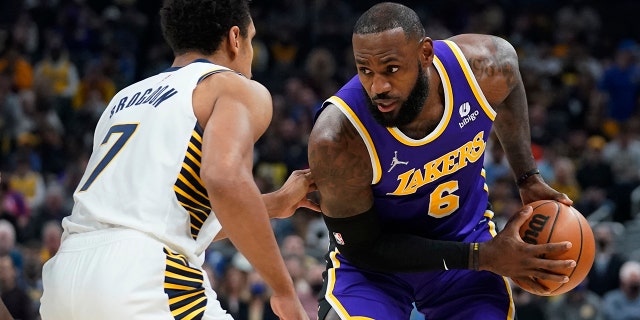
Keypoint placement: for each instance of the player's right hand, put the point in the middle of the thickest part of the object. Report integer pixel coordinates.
(508, 255)
(292, 195)
(288, 307)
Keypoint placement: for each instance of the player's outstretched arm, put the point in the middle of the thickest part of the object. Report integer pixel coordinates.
(494, 63)
(292, 195)
(240, 115)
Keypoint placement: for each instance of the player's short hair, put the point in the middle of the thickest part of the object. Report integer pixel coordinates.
(201, 25)
(388, 15)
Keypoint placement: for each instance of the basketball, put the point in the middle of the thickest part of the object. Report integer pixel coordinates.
(552, 221)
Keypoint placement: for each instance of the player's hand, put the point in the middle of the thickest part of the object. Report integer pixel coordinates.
(508, 255)
(535, 189)
(288, 308)
(292, 195)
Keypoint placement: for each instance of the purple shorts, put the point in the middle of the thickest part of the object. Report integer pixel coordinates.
(455, 294)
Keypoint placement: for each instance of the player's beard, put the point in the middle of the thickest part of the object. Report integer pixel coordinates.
(409, 110)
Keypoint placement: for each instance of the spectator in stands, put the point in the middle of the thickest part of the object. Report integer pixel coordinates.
(603, 276)
(51, 235)
(29, 183)
(57, 70)
(577, 304)
(620, 84)
(16, 65)
(594, 176)
(623, 153)
(15, 297)
(624, 303)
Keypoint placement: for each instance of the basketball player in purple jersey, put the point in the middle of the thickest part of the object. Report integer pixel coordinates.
(397, 156)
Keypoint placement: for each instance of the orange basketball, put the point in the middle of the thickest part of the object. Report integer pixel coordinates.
(552, 221)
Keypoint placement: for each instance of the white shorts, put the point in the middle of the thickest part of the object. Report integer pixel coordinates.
(124, 274)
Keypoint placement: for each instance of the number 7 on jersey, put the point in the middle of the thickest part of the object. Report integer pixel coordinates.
(125, 131)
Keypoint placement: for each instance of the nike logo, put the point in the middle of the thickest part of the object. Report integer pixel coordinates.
(445, 265)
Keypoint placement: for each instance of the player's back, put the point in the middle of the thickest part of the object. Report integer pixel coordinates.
(143, 173)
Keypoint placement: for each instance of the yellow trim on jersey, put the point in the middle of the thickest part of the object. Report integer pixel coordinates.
(512, 308)
(176, 265)
(333, 301)
(364, 134)
(194, 313)
(196, 209)
(188, 196)
(174, 275)
(475, 87)
(492, 225)
(194, 148)
(186, 296)
(448, 110)
(192, 187)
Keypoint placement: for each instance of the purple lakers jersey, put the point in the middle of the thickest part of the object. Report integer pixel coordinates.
(435, 186)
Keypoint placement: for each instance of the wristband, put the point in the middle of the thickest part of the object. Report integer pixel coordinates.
(526, 176)
(475, 255)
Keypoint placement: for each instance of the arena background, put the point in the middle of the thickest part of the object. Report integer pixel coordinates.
(61, 60)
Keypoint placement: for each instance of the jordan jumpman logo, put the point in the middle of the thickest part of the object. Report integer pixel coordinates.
(395, 161)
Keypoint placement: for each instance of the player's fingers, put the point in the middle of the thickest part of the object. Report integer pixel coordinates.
(534, 285)
(549, 276)
(548, 264)
(564, 199)
(555, 248)
(306, 203)
(516, 221)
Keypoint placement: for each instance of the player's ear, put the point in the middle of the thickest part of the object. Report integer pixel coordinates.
(426, 51)
(233, 40)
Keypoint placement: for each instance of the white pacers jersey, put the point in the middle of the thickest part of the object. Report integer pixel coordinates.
(144, 172)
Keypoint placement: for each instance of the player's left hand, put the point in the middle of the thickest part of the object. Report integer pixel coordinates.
(536, 189)
(292, 195)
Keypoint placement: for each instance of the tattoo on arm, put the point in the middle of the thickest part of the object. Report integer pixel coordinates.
(500, 62)
(342, 171)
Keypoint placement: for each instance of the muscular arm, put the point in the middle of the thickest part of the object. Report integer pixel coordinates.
(495, 65)
(240, 114)
(340, 164)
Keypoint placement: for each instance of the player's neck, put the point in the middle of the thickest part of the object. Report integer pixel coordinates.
(184, 59)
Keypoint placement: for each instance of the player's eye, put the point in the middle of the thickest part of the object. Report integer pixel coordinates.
(393, 69)
(364, 71)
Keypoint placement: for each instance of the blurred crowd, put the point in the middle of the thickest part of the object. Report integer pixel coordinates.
(62, 60)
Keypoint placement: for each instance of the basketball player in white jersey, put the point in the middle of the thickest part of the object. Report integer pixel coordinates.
(171, 167)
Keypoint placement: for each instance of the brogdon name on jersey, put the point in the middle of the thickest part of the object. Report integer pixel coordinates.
(144, 170)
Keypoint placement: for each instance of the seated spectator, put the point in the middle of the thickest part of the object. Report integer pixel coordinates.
(30, 184)
(577, 304)
(16, 65)
(51, 236)
(624, 303)
(8, 243)
(603, 276)
(15, 298)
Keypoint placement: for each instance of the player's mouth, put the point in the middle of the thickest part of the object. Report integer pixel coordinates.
(386, 105)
